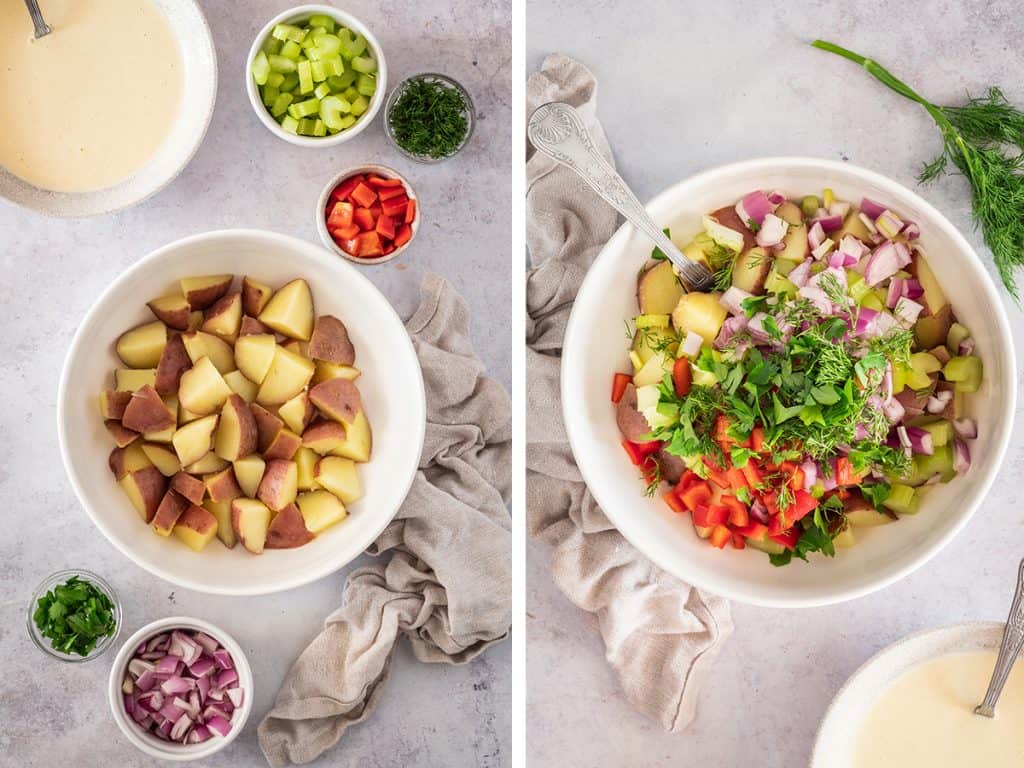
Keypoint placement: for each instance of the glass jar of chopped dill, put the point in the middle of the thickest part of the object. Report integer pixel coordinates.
(74, 616)
(429, 117)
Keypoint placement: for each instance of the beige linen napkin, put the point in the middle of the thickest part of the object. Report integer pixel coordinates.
(660, 634)
(447, 586)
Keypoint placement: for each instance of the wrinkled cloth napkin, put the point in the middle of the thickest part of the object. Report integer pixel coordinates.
(447, 586)
(661, 636)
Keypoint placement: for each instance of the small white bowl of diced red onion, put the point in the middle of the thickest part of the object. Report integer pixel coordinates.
(181, 689)
(368, 214)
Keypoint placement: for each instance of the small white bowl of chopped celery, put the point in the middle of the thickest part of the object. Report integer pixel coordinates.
(316, 76)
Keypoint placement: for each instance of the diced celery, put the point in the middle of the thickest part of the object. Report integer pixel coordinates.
(366, 85)
(319, 129)
(940, 462)
(957, 333)
(339, 83)
(322, 20)
(360, 105)
(351, 45)
(281, 64)
(364, 64)
(291, 50)
(809, 205)
(274, 80)
(925, 362)
(269, 94)
(308, 42)
(328, 44)
(331, 109)
(290, 124)
(818, 266)
(305, 108)
(281, 104)
(966, 371)
(305, 70)
(941, 432)
(322, 91)
(260, 68)
(319, 74)
(285, 32)
(306, 125)
(350, 93)
(901, 499)
(333, 65)
(290, 82)
(271, 45)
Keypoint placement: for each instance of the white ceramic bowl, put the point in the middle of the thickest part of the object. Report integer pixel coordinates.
(301, 13)
(321, 215)
(837, 736)
(167, 750)
(391, 386)
(595, 349)
(199, 92)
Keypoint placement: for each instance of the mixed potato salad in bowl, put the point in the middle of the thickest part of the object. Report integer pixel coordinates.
(820, 387)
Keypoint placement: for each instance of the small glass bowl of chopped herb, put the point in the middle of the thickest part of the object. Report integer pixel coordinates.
(429, 117)
(74, 616)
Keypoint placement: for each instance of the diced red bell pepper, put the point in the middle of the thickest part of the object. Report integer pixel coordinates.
(794, 474)
(803, 503)
(619, 383)
(370, 245)
(722, 433)
(845, 474)
(364, 218)
(386, 227)
(719, 536)
(753, 474)
(341, 215)
(389, 192)
(640, 451)
(674, 502)
(688, 480)
(711, 514)
(379, 182)
(718, 478)
(395, 207)
(649, 470)
(388, 248)
(410, 211)
(738, 514)
(757, 439)
(753, 530)
(787, 538)
(771, 501)
(363, 196)
(778, 524)
(682, 377)
(697, 495)
(343, 190)
(737, 479)
(345, 233)
(738, 542)
(403, 235)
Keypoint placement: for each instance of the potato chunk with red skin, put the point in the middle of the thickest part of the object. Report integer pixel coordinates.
(189, 486)
(196, 528)
(145, 488)
(146, 412)
(279, 485)
(288, 530)
(337, 398)
(330, 341)
(173, 362)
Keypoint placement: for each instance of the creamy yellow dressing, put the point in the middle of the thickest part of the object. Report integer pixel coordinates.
(926, 719)
(88, 105)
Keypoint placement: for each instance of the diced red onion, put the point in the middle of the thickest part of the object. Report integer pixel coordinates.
(755, 327)
(151, 700)
(772, 231)
(871, 208)
(868, 223)
(184, 646)
(164, 729)
(208, 643)
(841, 259)
(730, 328)
(884, 323)
(815, 235)
(171, 711)
(733, 299)
(151, 655)
(818, 298)
(860, 432)
(937, 403)
(219, 725)
(912, 288)
(920, 440)
(894, 411)
(894, 293)
(168, 665)
(776, 197)
(839, 275)
(181, 728)
(177, 684)
(236, 696)
(185, 706)
(839, 208)
(800, 274)
(866, 320)
(810, 470)
(204, 665)
(828, 477)
(691, 345)
(830, 223)
(203, 688)
(759, 512)
(137, 666)
(966, 428)
(822, 250)
(888, 223)
(226, 677)
(961, 456)
(903, 255)
(215, 694)
(907, 310)
(213, 711)
(911, 231)
(146, 680)
(754, 207)
(223, 659)
(883, 263)
(965, 347)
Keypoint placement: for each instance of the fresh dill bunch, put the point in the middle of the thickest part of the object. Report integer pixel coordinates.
(975, 137)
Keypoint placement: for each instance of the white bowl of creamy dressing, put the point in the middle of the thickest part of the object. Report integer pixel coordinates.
(912, 705)
(108, 108)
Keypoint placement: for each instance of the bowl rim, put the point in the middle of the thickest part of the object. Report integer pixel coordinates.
(753, 167)
(376, 101)
(179, 752)
(321, 218)
(101, 209)
(49, 583)
(981, 631)
(301, 576)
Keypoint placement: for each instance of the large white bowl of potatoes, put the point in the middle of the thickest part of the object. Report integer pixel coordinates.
(241, 412)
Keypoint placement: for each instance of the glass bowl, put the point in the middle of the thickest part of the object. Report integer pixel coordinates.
(55, 579)
(470, 115)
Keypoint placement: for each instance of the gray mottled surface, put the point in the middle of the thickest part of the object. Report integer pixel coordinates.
(51, 271)
(683, 89)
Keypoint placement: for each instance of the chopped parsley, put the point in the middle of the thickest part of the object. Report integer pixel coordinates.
(74, 616)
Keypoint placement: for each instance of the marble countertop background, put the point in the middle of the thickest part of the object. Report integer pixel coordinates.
(688, 86)
(430, 716)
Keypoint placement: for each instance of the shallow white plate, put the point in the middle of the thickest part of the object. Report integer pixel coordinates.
(198, 95)
(391, 386)
(837, 735)
(595, 348)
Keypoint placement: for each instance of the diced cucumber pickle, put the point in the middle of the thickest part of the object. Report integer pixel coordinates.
(291, 50)
(305, 108)
(322, 20)
(280, 105)
(351, 46)
(286, 32)
(925, 362)
(652, 321)
(281, 64)
(366, 84)
(269, 94)
(290, 124)
(364, 64)
(941, 432)
(322, 91)
(260, 68)
(957, 334)
(360, 105)
(305, 70)
(274, 80)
